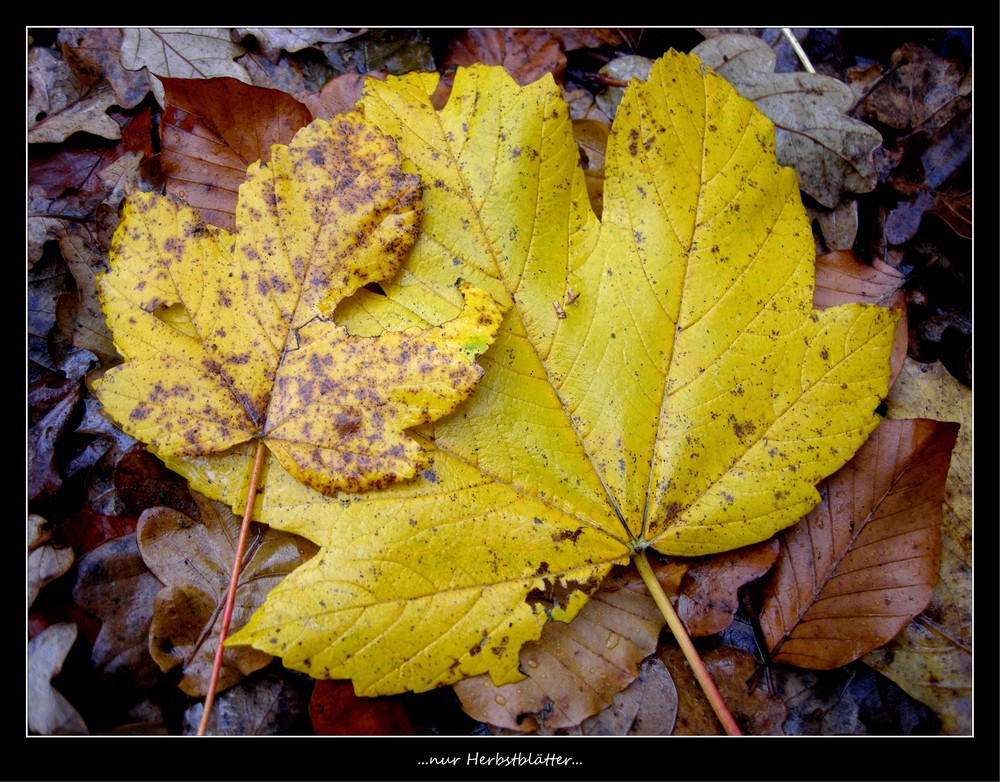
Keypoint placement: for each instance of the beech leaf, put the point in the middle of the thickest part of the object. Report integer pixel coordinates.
(831, 151)
(862, 564)
(212, 130)
(660, 379)
(226, 337)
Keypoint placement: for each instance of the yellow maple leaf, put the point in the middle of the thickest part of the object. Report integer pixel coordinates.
(660, 379)
(226, 337)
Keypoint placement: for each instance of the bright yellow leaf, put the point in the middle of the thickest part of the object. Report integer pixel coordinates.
(226, 337)
(660, 378)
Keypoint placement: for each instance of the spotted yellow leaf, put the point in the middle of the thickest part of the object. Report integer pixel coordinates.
(660, 379)
(227, 338)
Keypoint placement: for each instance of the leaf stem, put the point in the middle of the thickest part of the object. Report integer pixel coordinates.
(680, 633)
(227, 613)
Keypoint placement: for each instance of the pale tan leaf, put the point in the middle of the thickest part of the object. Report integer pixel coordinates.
(49, 713)
(194, 559)
(59, 105)
(574, 670)
(45, 563)
(831, 151)
(182, 52)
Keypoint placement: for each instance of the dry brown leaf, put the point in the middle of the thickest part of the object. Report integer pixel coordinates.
(93, 54)
(574, 670)
(54, 402)
(59, 105)
(861, 564)
(266, 706)
(45, 563)
(592, 136)
(212, 130)
(830, 151)
(194, 559)
(839, 225)
(114, 584)
(917, 88)
(709, 591)
(338, 96)
(571, 38)
(274, 40)
(932, 658)
(757, 712)
(182, 52)
(49, 713)
(647, 707)
(842, 278)
(526, 55)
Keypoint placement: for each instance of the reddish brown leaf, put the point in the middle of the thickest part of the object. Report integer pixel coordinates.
(592, 136)
(709, 591)
(339, 95)
(842, 278)
(143, 482)
(527, 55)
(336, 711)
(212, 130)
(756, 711)
(571, 38)
(86, 530)
(862, 564)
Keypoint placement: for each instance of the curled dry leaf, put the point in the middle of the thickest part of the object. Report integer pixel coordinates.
(862, 564)
(226, 337)
(93, 54)
(194, 559)
(840, 278)
(621, 69)
(59, 105)
(49, 713)
(52, 403)
(830, 151)
(338, 96)
(114, 584)
(574, 670)
(45, 563)
(212, 130)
